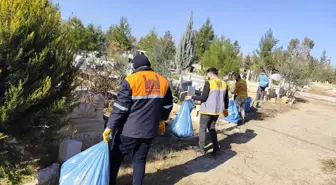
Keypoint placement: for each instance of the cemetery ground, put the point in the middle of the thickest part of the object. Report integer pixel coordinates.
(280, 144)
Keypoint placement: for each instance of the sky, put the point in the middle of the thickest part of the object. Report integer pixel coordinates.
(242, 20)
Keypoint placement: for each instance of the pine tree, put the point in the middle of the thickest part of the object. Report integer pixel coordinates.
(247, 62)
(222, 55)
(77, 31)
(324, 69)
(265, 53)
(121, 36)
(147, 44)
(203, 39)
(90, 38)
(163, 53)
(170, 51)
(37, 73)
(94, 38)
(185, 54)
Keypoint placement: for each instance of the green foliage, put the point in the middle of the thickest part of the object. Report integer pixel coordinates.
(169, 44)
(160, 51)
(163, 53)
(203, 38)
(77, 31)
(321, 69)
(175, 77)
(307, 45)
(95, 38)
(222, 55)
(88, 38)
(185, 54)
(38, 73)
(147, 44)
(121, 36)
(102, 81)
(293, 66)
(299, 68)
(247, 62)
(264, 55)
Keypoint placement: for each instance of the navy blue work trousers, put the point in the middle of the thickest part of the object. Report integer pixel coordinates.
(122, 146)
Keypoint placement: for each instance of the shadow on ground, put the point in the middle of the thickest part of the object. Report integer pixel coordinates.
(200, 164)
(254, 114)
(267, 109)
(301, 100)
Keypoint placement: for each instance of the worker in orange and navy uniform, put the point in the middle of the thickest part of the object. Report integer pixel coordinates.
(214, 102)
(143, 101)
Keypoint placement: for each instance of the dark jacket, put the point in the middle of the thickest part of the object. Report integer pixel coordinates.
(144, 99)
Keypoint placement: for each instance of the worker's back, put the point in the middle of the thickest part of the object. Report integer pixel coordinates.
(241, 88)
(144, 99)
(214, 105)
(148, 91)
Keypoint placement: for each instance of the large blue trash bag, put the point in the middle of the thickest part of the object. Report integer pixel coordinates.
(182, 124)
(233, 116)
(90, 167)
(248, 104)
(263, 81)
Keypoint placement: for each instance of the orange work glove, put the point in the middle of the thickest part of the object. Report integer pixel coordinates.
(162, 127)
(226, 112)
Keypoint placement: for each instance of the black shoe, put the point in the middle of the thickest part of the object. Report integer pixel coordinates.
(200, 152)
(241, 122)
(215, 152)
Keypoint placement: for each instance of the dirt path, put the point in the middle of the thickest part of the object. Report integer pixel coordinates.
(286, 149)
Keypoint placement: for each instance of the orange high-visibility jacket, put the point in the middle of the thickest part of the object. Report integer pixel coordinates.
(144, 99)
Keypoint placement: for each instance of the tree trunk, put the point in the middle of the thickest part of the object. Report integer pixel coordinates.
(181, 80)
(248, 75)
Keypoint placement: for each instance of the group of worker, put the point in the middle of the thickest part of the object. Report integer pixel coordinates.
(145, 99)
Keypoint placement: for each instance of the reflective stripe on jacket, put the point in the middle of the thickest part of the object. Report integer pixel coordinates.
(215, 103)
(144, 99)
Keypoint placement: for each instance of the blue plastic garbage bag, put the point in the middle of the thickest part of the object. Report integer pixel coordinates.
(182, 124)
(263, 81)
(90, 167)
(233, 116)
(248, 104)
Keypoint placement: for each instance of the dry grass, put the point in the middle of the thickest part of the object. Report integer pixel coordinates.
(323, 89)
(323, 86)
(165, 153)
(329, 165)
(322, 92)
(270, 110)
